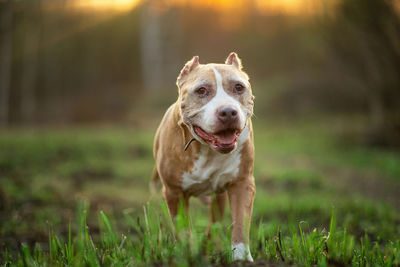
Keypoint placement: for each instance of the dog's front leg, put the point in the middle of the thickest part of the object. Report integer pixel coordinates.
(241, 195)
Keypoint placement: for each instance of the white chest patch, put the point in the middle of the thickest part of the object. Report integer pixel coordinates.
(212, 171)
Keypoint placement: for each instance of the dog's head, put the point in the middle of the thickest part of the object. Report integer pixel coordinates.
(215, 101)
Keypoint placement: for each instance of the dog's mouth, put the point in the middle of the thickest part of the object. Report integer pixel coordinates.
(222, 141)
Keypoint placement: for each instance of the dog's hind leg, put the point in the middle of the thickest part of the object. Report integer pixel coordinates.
(217, 207)
(175, 198)
(154, 181)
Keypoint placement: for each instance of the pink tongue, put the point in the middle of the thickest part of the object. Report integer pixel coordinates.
(226, 138)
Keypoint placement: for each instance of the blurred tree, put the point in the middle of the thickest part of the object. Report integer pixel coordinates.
(30, 46)
(51, 92)
(160, 37)
(151, 52)
(6, 22)
(365, 37)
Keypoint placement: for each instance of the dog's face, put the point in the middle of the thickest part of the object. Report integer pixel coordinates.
(215, 101)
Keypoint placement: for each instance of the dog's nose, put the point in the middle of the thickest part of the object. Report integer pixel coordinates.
(227, 114)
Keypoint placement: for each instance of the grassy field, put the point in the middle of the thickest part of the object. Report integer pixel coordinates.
(80, 197)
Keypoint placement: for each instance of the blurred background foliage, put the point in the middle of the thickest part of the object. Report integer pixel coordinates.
(83, 86)
(71, 61)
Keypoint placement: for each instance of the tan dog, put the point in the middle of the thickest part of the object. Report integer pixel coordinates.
(214, 108)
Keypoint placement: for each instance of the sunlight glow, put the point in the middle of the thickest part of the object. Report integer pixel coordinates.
(292, 7)
(264, 6)
(117, 5)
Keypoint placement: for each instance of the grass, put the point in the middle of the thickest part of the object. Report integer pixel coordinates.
(320, 201)
(152, 240)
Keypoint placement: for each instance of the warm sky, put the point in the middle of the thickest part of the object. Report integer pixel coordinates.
(265, 6)
(121, 5)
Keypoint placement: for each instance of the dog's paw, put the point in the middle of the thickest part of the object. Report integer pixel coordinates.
(241, 252)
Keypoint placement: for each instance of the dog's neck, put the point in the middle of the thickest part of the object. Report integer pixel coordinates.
(189, 142)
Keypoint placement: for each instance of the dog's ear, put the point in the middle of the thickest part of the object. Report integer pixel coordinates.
(189, 66)
(234, 60)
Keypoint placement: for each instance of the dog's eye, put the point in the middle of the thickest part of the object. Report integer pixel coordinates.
(239, 88)
(201, 91)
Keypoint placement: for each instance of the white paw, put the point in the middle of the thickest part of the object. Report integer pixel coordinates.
(241, 252)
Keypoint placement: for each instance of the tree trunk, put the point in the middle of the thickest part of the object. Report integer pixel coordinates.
(151, 48)
(6, 21)
(31, 30)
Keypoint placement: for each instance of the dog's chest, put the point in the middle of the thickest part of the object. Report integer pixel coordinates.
(211, 172)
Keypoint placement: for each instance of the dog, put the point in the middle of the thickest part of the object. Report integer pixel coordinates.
(204, 145)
